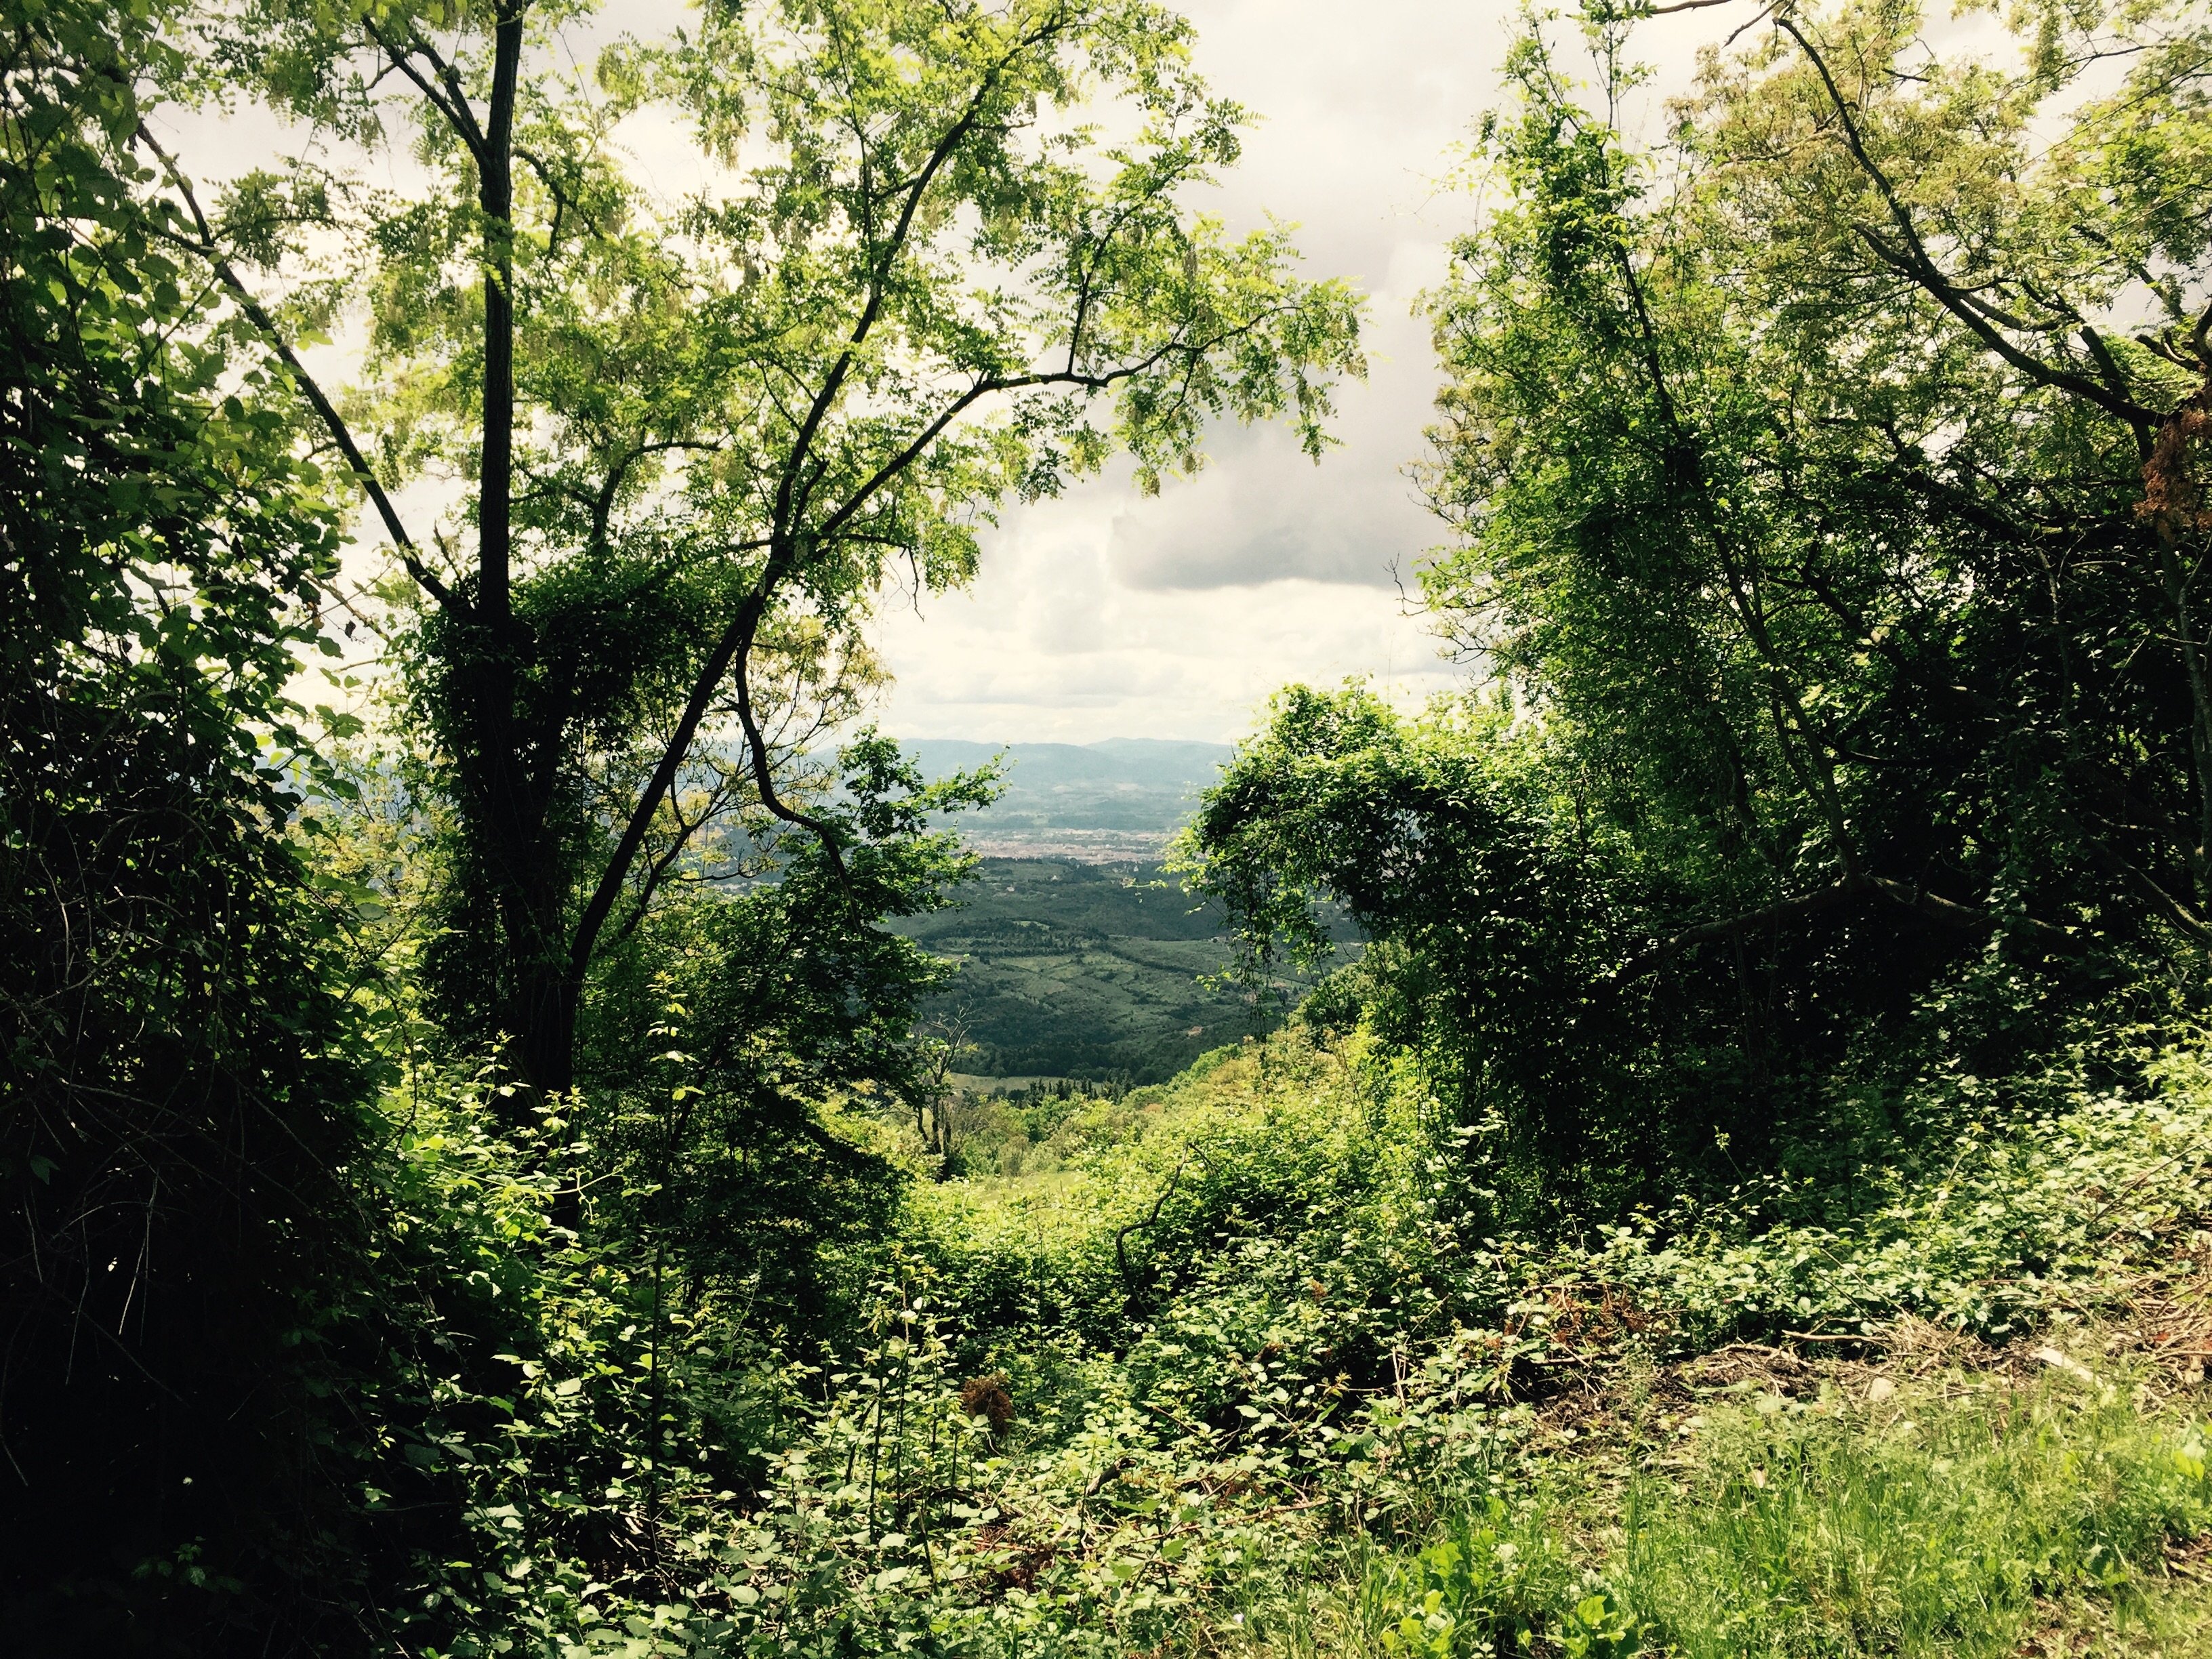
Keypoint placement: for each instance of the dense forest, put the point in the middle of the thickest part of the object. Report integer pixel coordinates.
(484, 1165)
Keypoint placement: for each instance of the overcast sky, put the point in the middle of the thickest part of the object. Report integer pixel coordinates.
(1105, 614)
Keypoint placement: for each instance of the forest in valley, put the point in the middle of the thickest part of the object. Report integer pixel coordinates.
(489, 1164)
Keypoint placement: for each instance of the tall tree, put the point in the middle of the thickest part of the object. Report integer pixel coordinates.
(909, 281)
(1828, 488)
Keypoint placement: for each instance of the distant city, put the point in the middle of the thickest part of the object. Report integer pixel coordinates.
(1110, 802)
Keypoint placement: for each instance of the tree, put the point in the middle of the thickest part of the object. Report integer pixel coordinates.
(732, 1018)
(1816, 456)
(947, 1043)
(1492, 900)
(180, 1075)
(909, 287)
(1808, 479)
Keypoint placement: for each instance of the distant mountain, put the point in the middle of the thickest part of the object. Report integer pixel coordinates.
(1111, 800)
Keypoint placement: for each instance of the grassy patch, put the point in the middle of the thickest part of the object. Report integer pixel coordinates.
(1941, 1520)
(1972, 1513)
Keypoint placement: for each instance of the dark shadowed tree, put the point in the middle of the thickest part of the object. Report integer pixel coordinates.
(177, 1110)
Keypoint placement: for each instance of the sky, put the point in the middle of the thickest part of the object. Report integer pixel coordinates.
(1106, 614)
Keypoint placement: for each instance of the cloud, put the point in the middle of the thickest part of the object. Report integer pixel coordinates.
(1048, 646)
(1262, 511)
(1270, 518)
(1109, 614)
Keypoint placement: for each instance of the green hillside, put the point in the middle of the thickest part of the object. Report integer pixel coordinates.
(1088, 971)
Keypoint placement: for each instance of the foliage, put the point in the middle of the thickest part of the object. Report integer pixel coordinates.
(1085, 1416)
(1980, 1234)
(1834, 672)
(734, 1019)
(530, 1417)
(178, 1094)
(1495, 899)
(917, 281)
(1471, 1591)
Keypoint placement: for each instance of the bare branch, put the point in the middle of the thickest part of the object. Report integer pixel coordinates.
(764, 782)
(737, 636)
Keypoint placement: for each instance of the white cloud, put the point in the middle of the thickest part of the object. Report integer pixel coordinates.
(1049, 646)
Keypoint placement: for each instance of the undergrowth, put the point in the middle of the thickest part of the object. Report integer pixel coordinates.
(1270, 1371)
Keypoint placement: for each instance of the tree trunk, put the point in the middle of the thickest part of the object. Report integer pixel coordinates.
(523, 861)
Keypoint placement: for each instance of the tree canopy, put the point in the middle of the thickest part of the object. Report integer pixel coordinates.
(1811, 478)
(913, 280)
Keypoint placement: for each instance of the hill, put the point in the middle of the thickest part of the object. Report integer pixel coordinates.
(1088, 970)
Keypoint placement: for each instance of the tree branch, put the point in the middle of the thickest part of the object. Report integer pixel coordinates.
(325, 411)
(1914, 261)
(1932, 906)
(603, 508)
(657, 870)
(878, 282)
(452, 103)
(764, 782)
(736, 636)
(835, 524)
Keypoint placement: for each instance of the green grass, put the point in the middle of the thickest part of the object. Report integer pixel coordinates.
(1962, 1516)
(1926, 1525)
